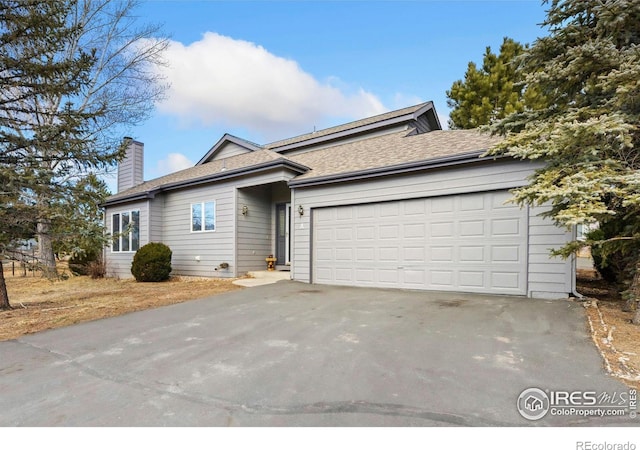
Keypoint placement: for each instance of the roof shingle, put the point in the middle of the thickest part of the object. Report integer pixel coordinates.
(201, 171)
(391, 149)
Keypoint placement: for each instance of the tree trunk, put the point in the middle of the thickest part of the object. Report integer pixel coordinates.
(46, 256)
(4, 296)
(634, 294)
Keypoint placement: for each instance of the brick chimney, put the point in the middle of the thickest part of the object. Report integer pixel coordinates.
(131, 168)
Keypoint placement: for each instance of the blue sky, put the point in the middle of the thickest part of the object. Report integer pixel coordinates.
(267, 70)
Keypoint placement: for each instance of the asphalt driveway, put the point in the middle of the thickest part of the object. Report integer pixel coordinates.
(298, 354)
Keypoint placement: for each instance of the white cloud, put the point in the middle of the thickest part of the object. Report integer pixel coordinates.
(172, 163)
(401, 100)
(223, 81)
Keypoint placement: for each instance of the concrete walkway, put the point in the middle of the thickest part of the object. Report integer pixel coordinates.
(262, 278)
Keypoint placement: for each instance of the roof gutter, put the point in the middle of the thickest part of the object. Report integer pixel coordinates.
(220, 176)
(434, 163)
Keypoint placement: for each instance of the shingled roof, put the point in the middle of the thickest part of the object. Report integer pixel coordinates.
(200, 172)
(391, 150)
(362, 158)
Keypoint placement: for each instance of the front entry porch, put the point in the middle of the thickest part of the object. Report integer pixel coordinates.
(263, 227)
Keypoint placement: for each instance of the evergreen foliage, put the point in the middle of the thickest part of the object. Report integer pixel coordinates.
(491, 92)
(588, 133)
(152, 262)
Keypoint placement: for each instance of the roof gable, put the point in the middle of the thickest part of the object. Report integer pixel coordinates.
(228, 145)
(408, 116)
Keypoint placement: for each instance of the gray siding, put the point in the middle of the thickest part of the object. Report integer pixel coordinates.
(492, 176)
(156, 208)
(254, 236)
(200, 253)
(167, 219)
(421, 124)
(359, 137)
(229, 149)
(119, 263)
(547, 275)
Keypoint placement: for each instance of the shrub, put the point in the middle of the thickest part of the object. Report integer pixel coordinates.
(96, 269)
(152, 262)
(79, 262)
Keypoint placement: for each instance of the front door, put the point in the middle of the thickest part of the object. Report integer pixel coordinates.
(283, 224)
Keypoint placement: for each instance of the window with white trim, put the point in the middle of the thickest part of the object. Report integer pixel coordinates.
(125, 229)
(203, 216)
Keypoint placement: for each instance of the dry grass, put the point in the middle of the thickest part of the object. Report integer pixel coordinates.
(40, 304)
(613, 333)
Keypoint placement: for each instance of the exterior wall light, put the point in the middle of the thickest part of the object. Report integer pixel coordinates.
(245, 210)
(300, 210)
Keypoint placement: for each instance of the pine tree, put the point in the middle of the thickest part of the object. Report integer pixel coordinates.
(588, 133)
(67, 134)
(30, 33)
(491, 92)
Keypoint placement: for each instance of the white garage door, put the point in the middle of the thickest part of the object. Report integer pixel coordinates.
(468, 243)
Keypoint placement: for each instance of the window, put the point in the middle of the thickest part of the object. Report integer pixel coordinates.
(125, 228)
(203, 216)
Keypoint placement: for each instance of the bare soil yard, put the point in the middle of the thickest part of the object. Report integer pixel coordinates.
(40, 304)
(613, 333)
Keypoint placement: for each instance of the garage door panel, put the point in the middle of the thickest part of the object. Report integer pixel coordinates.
(414, 207)
(473, 243)
(388, 276)
(470, 228)
(442, 205)
(344, 234)
(389, 254)
(471, 203)
(472, 279)
(441, 254)
(344, 214)
(325, 235)
(413, 231)
(413, 277)
(344, 254)
(414, 254)
(442, 230)
(365, 211)
(502, 227)
(471, 254)
(443, 278)
(388, 232)
(366, 254)
(389, 210)
(365, 233)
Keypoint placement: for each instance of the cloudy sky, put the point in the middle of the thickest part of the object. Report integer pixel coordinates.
(268, 70)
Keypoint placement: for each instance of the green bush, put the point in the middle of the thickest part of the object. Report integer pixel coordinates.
(152, 262)
(79, 262)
